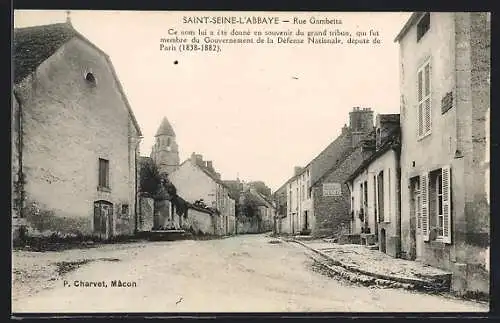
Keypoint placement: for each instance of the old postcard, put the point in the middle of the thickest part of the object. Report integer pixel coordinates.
(196, 161)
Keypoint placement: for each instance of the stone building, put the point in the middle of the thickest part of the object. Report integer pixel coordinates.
(197, 180)
(375, 190)
(317, 198)
(445, 102)
(279, 197)
(74, 137)
(165, 151)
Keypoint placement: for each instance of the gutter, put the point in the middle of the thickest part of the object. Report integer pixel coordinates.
(136, 193)
(20, 153)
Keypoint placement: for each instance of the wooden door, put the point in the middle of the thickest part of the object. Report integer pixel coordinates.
(103, 219)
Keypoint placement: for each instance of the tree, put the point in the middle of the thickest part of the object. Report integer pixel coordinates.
(150, 178)
(261, 187)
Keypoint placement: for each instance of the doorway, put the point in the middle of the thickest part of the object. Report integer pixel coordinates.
(416, 214)
(306, 221)
(382, 240)
(103, 219)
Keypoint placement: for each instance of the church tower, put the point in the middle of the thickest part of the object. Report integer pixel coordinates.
(165, 152)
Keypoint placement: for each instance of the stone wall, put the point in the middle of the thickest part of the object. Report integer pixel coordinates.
(248, 225)
(145, 214)
(332, 212)
(199, 222)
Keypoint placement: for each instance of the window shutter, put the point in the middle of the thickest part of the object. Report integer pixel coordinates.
(446, 179)
(424, 196)
(420, 86)
(428, 119)
(420, 116)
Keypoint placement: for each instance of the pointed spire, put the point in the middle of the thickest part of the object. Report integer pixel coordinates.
(68, 17)
(165, 129)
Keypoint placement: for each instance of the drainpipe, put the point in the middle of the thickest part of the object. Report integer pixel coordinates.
(397, 151)
(20, 153)
(20, 175)
(136, 191)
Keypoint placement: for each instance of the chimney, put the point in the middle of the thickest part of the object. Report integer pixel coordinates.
(210, 166)
(199, 159)
(218, 175)
(361, 120)
(297, 170)
(193, 158)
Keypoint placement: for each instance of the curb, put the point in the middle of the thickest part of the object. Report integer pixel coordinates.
(422, 284)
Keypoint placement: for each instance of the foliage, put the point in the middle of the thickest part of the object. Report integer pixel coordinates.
(261, 187)
(150, 178)
(250, 208)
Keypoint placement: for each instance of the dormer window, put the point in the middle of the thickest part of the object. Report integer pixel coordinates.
(423, 25)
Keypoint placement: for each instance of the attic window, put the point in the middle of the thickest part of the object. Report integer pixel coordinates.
(90, 78)
(423, 25)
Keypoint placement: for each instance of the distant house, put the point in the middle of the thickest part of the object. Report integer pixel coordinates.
(279, 196)
(317, 198)
(445, 102)
(197, 180)
(75, 138)
(375, 189)
(258, 211)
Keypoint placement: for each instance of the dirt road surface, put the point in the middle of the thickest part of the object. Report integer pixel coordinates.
(238, 274)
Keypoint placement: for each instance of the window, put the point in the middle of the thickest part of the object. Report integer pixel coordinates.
(380, 196)
(361, 195)
(389, 192)
(125, 209)
(439, 204)
(103, 173)
(303, 192)
(435, 191)
(423, 25)
(365, 199)
(424, 100)
(90, 78)
(417, 202)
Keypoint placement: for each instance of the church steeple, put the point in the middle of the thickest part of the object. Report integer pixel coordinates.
(165, 152)
(165, 128)
(68, 17)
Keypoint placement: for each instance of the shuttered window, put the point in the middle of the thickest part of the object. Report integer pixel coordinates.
(446, 203)
(103, 173)
(424, 209)
(424, 109)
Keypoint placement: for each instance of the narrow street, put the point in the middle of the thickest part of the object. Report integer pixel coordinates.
(238, 274)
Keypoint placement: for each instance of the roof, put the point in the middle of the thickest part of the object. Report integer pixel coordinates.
(409, 23)
(165, 128)
(265, 198)
(392, 141)
(207, 172)
(33, 45)
(257, 198)
(366, 141)
(393, 117)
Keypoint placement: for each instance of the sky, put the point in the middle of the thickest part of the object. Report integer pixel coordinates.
(256, 111)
